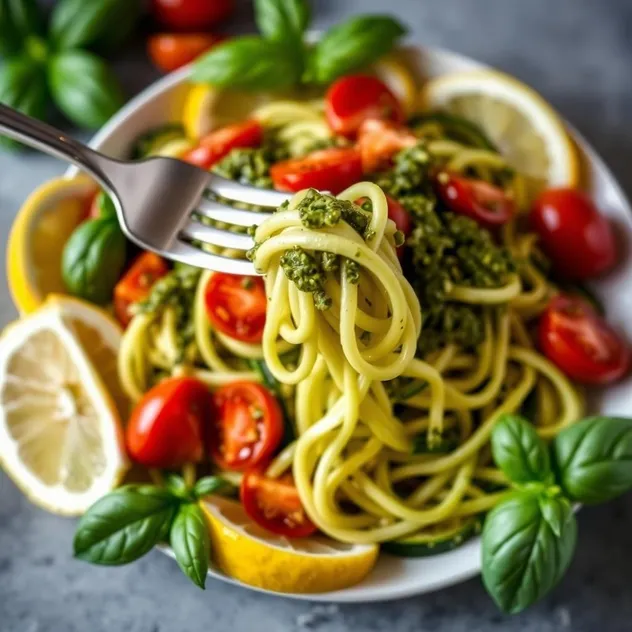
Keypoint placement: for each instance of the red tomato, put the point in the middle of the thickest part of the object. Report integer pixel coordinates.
(354, 99)
(326, 170)
(171, 51)
(136, 283)
(247, 427)
(191, 15)
(487, 204)
(274, 504)
(379, 141)
(218, 143)
(581, 343)
(236, 305)
(399, 215)
(167, 426)
(574, 234)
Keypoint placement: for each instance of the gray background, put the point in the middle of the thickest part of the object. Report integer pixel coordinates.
(578, 53)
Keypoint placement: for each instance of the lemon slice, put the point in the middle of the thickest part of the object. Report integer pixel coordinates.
(256, 557)
(38, 236)
(60, 433)
(395, 72)
(524, 127)
(207, 108)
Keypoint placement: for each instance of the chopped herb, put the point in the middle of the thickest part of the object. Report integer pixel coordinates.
(305, 271)
(351, 271)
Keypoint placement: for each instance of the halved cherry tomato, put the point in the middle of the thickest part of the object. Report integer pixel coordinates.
(487, 204)
(136, 284)
(581, 343)
(353, 99)
(167, 426)
(170, 51)
(574, 234)
(247, 426)
(274, 504)
(236, 305)
(379, 141)
(191, 15)
(399, 215)
(332, 170)
(218, 143)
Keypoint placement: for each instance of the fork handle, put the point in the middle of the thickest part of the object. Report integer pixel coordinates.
(51, 141)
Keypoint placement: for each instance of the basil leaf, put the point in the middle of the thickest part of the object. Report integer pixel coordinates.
(100, 23)
(282, 20)
(210, 485)
(523, 558)
(23, 87)
(124, 525)
(19, 20)
(593, 459)
(176, 485)
(519, 452)
(190, 542)
(105, 205)
(84, 88)
(248, 62)
(353, 45)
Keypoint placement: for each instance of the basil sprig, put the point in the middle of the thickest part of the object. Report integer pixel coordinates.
(280, 57)
(126, 524)
(529, 538)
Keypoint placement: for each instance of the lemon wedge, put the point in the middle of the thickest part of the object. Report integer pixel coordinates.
(524, 127)
(396, 73)
(60, 431)
(38, 236)
(258, 558)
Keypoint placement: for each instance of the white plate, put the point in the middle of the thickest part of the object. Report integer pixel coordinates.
(398, 577)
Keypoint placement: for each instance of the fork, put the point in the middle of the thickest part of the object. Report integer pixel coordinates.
(160, 201)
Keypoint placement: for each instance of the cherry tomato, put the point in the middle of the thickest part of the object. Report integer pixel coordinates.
(487, 204)
(167, 426)
(236, 305)
(171, 51)
(274, 504)
(399, 215)
(326, 170)
(218, 143)
(136, 283)
(581, 343)
(247, 426)
(354, 99)
(574, 234)
(379, 141)
(191, 15)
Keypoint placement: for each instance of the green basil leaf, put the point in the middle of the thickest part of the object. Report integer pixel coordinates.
(523, 558)
(103, 24)
(248, 62)
(176, 485)
(593, 459)
(210, 485)
(519, 452)
(124, 525)
(190, 542)
(555, 510)
(23, 87)
(105, 205)
(282, 20)
(353, 45)
(93, 259)
(84, 88)
(19, 20)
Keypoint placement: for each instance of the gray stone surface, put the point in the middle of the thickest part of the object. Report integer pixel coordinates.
(578, 53)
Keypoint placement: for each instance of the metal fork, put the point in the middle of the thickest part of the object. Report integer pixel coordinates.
(160, 201)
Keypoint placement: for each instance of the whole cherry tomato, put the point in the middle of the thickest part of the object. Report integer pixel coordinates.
(580, 342)
(577, 238)
(170, 51)
(166, 429)
(213, 147)
(354, 99)
(487, 204)
(274, 504)
(236, 305)
(247, 426)
(331, 170)
(379, 141)
(191, 15)
(136, 284)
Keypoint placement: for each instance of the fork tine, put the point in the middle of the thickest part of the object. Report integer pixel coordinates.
(186, 253)
(222, 213)
(237, 192)
(195, 230)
